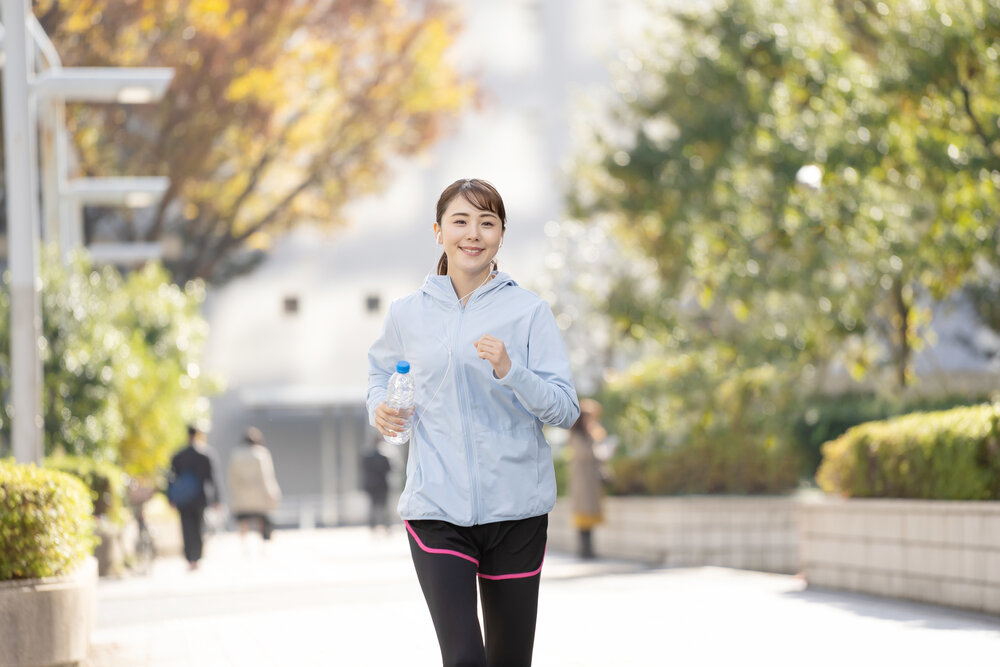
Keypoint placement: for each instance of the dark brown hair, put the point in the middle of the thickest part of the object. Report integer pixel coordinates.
(480, 194)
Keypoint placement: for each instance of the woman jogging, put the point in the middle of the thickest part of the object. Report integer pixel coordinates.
(490, 369)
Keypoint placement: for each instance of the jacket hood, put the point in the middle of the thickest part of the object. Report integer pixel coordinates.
(441, 288)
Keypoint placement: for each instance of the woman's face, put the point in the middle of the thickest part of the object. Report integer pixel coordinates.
(471, 237)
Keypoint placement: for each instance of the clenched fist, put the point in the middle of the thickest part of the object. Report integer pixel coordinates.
(494, 351)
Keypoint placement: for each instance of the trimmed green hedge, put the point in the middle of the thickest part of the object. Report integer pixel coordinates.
(949, 455)
(706, 468)
(824, 418)
(46, 522)
(108, 484)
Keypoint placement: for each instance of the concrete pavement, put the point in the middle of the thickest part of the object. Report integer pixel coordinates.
(345, 597)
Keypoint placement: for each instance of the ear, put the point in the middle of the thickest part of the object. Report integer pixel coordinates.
(437, 234)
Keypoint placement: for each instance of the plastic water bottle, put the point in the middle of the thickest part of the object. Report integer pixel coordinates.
(399, 394)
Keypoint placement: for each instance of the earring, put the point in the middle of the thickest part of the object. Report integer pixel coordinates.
(439, 237)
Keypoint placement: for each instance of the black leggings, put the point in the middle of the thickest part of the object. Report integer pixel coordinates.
(510, 607)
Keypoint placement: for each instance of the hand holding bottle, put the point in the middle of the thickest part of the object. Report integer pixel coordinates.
(392, 418)
(388, 420)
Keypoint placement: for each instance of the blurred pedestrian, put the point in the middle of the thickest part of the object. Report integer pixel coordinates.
(375, 470)
(490, 369)
(191, 489)
(252, 488)
(585, 474)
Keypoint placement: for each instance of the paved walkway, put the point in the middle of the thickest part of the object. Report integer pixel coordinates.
(345, 597)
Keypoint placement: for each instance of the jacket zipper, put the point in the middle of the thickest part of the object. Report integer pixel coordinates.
(470, 450)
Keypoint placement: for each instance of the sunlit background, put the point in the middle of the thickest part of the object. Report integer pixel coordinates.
(758, 224)
(747, 217)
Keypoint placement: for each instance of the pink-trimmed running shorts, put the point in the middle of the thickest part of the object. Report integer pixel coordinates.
(501, 550)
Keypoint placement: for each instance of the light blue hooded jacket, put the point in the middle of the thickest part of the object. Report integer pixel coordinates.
(477, 454)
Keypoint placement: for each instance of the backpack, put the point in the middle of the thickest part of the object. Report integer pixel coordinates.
(184, 489)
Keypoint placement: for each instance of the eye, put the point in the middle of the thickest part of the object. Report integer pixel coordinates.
(488, 223)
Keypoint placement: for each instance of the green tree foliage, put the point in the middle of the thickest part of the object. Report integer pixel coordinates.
(120, 360)
(280, 111)
(804, 175)
(160, 386)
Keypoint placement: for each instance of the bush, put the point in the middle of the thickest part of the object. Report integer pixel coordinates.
(561, 464)
(703, 469)
(46, 522)
(825, 418)
(687, 425)
(949, 455)
(108, 484)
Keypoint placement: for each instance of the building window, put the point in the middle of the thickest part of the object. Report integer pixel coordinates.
(372, 303)
(291, 305)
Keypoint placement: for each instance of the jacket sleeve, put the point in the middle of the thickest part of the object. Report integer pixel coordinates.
(545, 384)
(382, 357)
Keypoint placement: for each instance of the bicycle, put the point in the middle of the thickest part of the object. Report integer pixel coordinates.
(144, 551)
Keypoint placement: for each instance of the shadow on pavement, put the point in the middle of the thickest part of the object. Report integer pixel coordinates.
(934, 617)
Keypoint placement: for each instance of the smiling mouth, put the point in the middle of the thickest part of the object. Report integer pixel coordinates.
(472, 251)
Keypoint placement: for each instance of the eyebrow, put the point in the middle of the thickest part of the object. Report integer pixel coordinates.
(464, 214)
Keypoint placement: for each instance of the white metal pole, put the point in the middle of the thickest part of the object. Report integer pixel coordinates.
(22, 229)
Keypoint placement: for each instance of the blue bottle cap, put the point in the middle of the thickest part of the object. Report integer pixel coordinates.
(403, 367)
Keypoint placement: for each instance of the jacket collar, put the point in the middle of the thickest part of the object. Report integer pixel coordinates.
(441, 289)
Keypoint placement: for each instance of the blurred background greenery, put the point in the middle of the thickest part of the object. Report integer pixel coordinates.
(279, 112)
(760, 227)
(120, 362)
(791, 187)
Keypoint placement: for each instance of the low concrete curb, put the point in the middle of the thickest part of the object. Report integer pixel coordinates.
(46, 622)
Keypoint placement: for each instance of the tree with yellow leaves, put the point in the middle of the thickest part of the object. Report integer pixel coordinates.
(280, 111)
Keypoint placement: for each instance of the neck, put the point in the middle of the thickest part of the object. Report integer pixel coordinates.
(465, 284)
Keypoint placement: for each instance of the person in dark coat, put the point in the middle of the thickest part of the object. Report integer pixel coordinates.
(375, 479)
(195, 459)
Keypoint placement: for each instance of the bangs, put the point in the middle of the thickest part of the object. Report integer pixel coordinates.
(477, 192)
(483, 196)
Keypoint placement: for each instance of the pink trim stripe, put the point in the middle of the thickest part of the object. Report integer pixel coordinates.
(438, 551)
(519, 575)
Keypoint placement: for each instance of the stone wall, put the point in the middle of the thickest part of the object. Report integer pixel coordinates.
(751, 533)
(942, 552)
